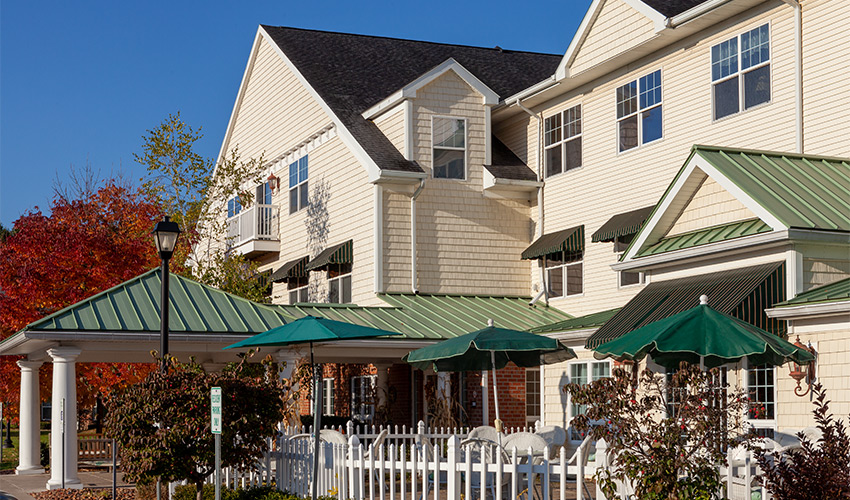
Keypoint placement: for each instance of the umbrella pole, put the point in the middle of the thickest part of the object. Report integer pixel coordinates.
(317, 421)
(498, 421)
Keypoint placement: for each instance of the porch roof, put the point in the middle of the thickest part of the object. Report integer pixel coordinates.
(837, 291)
(435, 317)
(592, 320)
(708, 235)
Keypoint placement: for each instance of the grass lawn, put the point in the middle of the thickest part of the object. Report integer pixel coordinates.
(10, 455)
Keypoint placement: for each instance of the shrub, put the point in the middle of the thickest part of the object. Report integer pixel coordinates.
(816, 471)
(661, 457)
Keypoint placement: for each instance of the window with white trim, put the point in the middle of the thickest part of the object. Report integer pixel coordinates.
(639, 118)
(449, 147)
(299, 289)
(761, 388)
(362, 406)
(584, 373)
(562, 141)
(532, 395)
(298, 192)
(740, 72)
(626, 278)
(234, 207)
(339, 283)
(328, 396)
(565, 273)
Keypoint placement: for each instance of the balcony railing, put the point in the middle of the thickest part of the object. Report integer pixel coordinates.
(258, 222)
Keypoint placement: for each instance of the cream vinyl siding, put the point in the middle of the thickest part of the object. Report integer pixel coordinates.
(397, 242)
(610, 183)
(820, 271)
(350, 208)
(466, 243)
(617, 28)
(557, 376)
(826, 94)
(276, 111)
(392, 126)
(710, 206)
(830, 336)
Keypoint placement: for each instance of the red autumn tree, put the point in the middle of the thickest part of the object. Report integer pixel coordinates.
(81, 248)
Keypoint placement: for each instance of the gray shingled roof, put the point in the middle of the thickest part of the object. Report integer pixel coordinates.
(354, 72)
(504, 164)
(670, 8)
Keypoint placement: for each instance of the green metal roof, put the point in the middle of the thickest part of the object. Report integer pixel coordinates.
(802, 191)
(708, 235)
(622, 225)
(134, 306)
(744, 293)
(447, 316)
(570, 240)
(836, 291)
(593, 320)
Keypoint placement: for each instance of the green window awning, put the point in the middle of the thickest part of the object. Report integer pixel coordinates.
(570, 240)
(337, 254)
(622, 225)
(292, 269)
(743, 293)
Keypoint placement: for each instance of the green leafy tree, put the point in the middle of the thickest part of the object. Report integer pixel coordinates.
(818, 470)
(162, 425)
(663, 456)
(193, 190)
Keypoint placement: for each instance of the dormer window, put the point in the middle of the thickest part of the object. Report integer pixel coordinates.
(449, 147)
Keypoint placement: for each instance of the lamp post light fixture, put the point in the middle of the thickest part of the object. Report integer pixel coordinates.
(165, 236)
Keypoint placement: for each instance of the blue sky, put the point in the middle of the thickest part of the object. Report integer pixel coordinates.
(82, 81)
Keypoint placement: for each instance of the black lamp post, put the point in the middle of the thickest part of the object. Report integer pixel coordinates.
(165, 236)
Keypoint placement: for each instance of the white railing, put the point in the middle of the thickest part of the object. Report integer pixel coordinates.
(259, 222)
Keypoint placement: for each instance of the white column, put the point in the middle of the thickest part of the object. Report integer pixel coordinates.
(287, 360)
(29, 451)
(382, 381)
(64, 390)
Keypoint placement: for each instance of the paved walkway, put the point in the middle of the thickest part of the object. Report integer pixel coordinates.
(20, 487)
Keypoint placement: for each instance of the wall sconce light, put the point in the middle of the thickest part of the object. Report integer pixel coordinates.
(800, 372)
(273, 181)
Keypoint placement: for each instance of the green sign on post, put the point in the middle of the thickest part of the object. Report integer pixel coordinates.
(215, 410)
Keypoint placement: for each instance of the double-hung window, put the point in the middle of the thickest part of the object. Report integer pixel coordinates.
(339, 283)
(583, 374)
(740, 72)
(298, 193)
(761, 386)
(565, 273)
(449, 147)
(562, 141)
(362, 404)
(299, 289)
(626, 278)
(639, 111)
(532, 395)
(327, 397)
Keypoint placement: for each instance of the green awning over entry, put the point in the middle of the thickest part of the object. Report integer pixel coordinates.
(337, 254)
(570, 240)
(622, 225)
(744, 293)
(292, 269)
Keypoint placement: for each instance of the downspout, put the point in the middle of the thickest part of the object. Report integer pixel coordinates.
(798, 77)
(544, 288)
(414, 282)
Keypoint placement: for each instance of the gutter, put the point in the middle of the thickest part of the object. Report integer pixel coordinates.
(806, 311)
(540, 199)
(695, 12)
(414, 282)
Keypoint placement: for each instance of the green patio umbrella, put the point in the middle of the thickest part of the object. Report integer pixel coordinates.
(490, 348)
(308, 330)
(704, 336)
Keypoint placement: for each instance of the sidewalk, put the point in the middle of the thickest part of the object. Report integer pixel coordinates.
(20, 487)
